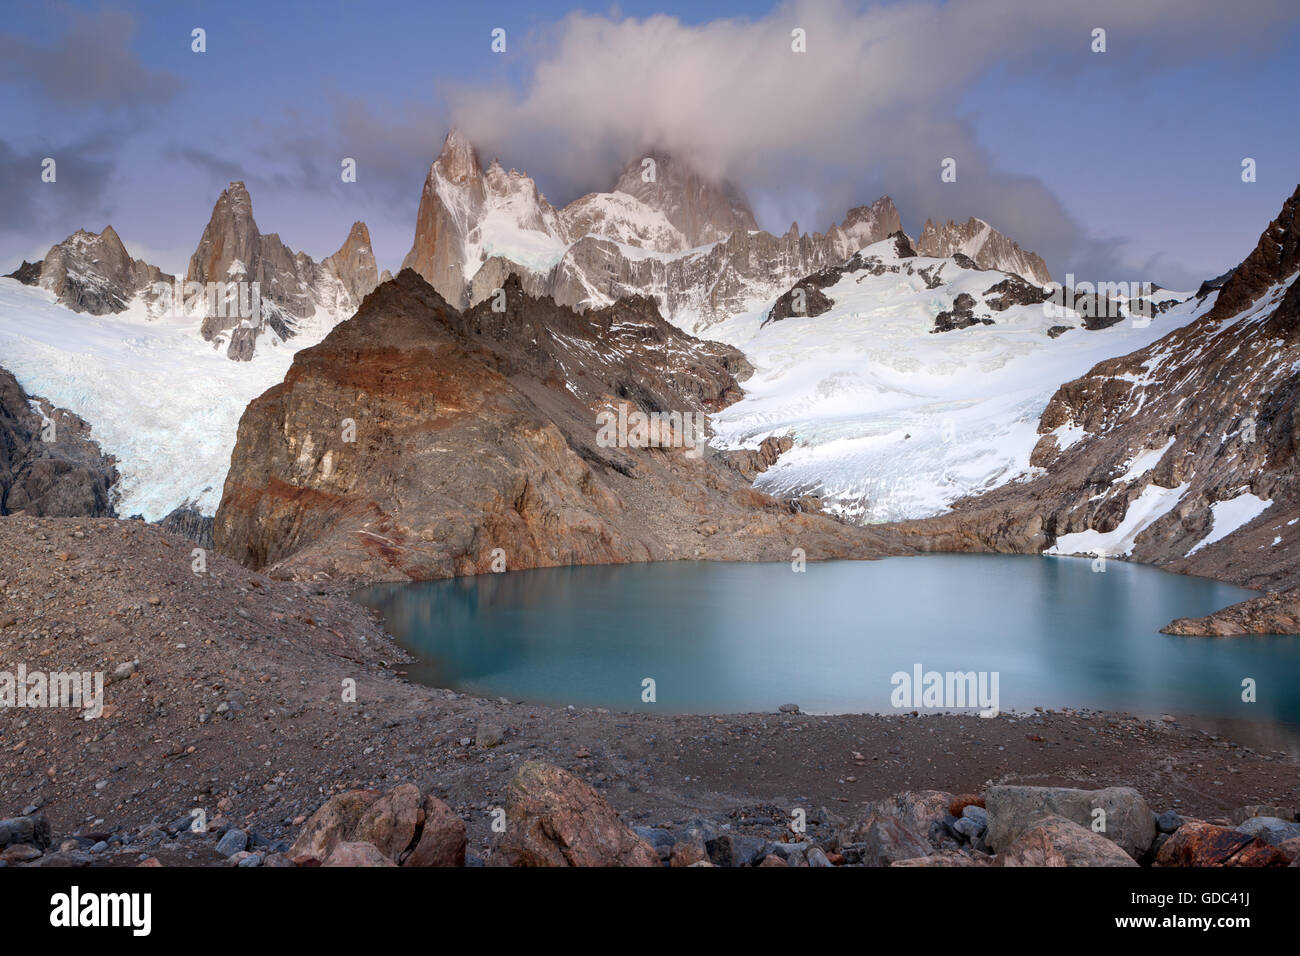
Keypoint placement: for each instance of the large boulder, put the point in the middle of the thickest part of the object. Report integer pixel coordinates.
(1203, 844)
(402, 827)
(391, 822)
(887, 838)
(915, 809)
(333, 823)
(1055, 841)
(554, 819)
(357, 854)
(442, 839)
(1128, 820)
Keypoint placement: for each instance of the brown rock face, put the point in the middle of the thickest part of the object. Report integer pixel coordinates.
(416, 440)
(354, 264)
(437, 252)
(1204, 844)
(49, 466)
(554, 819)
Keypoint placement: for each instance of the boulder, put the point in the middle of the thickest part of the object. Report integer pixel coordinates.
(331, 824)
(1204, 844)
(1242, 814)
(392, 822)
(915, 809)
(442, 837)
(885, 838)
(554, 819)
(736, 849)
(33, 830)
(1272, 830)
(1055, 841)
(686, 853)
(1129, 822)
(357, 854)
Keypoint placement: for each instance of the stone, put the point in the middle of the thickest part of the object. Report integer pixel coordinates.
(390, 823)
(1242, 814)
(686, 854)
(20, 853)
(961, 802)
(1168, 822)
(331, 824)
(554, 819)
(442, 837)
(736, 849)
(772, 860)
(232, 841)
(659, 838)
(1271, 830)
(488, 735)
(887, 837)
(33, 830)
(356, 854)
(1054, 841)
(1129, 822)
(816, 856)
(1204, 844)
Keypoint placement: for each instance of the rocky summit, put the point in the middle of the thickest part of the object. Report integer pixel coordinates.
(417, 441)
(293, 291)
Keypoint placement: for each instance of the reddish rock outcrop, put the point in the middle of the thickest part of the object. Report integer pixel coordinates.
(554, 819)
(416, 440)
(1203, 844)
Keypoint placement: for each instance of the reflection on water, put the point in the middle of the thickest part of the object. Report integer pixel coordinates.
(721, 638)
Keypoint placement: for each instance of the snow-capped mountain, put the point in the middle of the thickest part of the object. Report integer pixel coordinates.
(908, 381)
(664, 231)
(106, 337)
(984, 245)
(92, 272)
(296, 292)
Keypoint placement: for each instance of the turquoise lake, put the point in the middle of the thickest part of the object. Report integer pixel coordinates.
(726, 638)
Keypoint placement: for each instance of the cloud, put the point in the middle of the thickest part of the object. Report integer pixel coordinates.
(91, 65)
(870, 107)
(31, 205)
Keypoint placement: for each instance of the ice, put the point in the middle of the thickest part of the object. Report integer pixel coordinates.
(892, 421)
(1229, 516)
(1143, 511)
(158, 397)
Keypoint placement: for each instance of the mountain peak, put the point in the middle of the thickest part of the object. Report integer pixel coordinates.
(705, 210)
(989, 248)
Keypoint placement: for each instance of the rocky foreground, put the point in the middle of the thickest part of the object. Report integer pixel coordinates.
(228, 694)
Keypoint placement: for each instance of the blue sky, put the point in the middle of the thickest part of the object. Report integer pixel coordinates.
(1122, 165)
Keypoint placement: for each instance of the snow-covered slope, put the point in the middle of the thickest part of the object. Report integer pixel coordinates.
(158, 397)
(892, 419)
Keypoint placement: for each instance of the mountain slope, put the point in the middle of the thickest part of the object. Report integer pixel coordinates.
(908, 381)
(1181, 454)
(478, 431)
(984, 245)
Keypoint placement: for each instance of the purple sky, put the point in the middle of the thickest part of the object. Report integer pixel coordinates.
(1117, 165)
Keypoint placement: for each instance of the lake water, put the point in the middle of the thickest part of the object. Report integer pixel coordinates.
(721, 638)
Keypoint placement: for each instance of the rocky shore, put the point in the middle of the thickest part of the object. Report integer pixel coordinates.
(231, 694)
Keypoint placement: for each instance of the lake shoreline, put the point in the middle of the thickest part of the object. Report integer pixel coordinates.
(232, 703)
